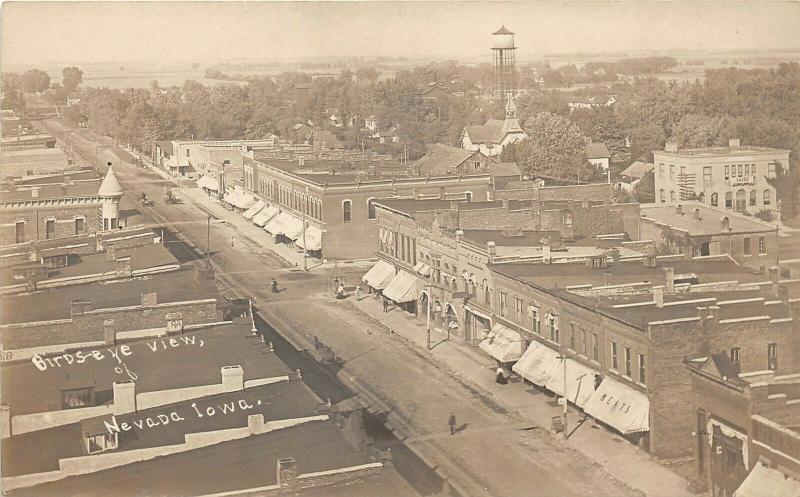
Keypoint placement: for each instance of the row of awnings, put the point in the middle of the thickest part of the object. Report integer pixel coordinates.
(239, 198)
(380, 275)
(209, 183)
(276, 222)
(612, 402)
(254, 209)
(767, 482)
(265, 215)
(399, 286)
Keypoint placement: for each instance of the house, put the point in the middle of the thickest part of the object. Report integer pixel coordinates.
(371, 123)
(388, 135)
(598, 155)
(495, 134)
(733, 177)
(632, 175)
(443, 159)
(593, 102)
(302, 133)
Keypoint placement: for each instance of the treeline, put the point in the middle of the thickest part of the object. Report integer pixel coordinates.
(603, 72)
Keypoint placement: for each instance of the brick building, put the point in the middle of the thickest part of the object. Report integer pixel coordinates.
(747, 431)
(626, 327)
(43, 212)
(698, 230)
(335, 199)
(732, 177)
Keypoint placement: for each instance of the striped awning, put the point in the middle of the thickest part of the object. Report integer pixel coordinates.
(537, 363)
(311, 240)
(265, 215)
(404, 287)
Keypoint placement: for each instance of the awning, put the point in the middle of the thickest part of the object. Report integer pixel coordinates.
(404, 287)
(254, 209)
(620, 406)
(767, 482)
(422, 269)
(280, 224)
(246, 200)
(294, 227)
(266, 214)
(380, 275)
(504, 344)
(580, 381)
(209, 183)
(312, 237)
(537, 363)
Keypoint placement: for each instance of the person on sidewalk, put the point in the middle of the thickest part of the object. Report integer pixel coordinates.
(358, 290)
(274, 285)
(451, 422)
(385, 305)
(340, 292)
(501, 377)
(232, 238)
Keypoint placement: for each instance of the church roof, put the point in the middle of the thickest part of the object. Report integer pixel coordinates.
(503, 31)
(491, 132)
(110, 186)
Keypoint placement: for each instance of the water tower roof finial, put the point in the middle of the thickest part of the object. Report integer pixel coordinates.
(503, 31)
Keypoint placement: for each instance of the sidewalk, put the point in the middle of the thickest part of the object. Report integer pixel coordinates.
(618, 457)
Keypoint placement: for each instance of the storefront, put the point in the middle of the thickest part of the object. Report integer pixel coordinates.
(254, 209)
(403, 290)
(265, 215)
(477, 324)
(208, 184)
(537, 363)
(503, 344)
(579, 380)
(379, 276)
(239, 199)
(311, 240)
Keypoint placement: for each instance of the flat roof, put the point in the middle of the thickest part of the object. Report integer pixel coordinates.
(410, 206)
(509, 238)
(710, 222)
(723, 151)
(81, 188)
(195, 361)
(54, 303)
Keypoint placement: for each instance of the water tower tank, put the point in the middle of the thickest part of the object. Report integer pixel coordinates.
(502, 39)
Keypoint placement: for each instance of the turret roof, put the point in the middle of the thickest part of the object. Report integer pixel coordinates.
(110, 186)
(503, 31)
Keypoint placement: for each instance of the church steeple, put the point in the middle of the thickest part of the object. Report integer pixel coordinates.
(511, 122)
(511, 108)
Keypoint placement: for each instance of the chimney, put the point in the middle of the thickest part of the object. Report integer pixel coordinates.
(149, 299)
(490, 249)
(232, 378)
(459, 236)
(123, 267)
(109, 332)
(255, 424)
(734, 143)
(615, 255)
(506, 204)
(671, 146)
(174, 323)
(658, 296)
(5, 421)
(669, 276)
(124, 397)
(696, 214)
(679, 209)
(774, 278)
(725, 224)
(547, 257)
(287, 473)
(442, 195)
(78, 307)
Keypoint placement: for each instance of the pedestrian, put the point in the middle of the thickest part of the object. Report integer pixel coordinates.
(340, 292)
(274, 285)
(232, 242)
(501, 376)
(451, 421)
(358, 290)
(385, 305)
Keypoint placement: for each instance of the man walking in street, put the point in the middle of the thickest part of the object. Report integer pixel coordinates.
(451, 421)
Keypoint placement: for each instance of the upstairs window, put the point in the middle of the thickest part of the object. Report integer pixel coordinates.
(772, 356)
(77, 398)
(347, 215)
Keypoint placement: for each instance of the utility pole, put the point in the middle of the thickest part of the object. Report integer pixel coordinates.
(428, 318)
(208, 242)
(563, 358)
(305, 250)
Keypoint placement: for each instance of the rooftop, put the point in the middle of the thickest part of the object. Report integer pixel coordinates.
(597, 150)
(443, 159)
(410, 206)
(638, 169)
(723, 151)
(490, 132)
(504, 238)
(82, 188)
(709, 222)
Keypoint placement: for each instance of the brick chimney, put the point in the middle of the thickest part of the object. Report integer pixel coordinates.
(124, 397)
(696, 214)
(734, 143)
(459, 235)
(255, 424)
(232, 378)
(287, 473)
(669, 283)
(174, 323)
(149, 299)
(658, 296)
(109, 332)
(491, 250)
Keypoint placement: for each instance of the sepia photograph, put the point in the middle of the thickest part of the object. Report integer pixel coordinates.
(400, 248)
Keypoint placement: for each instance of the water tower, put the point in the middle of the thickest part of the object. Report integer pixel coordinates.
(504, 83)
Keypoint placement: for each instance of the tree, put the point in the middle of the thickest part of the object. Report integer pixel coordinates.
(35, 81)
(72, 77)
(366, 74)
(555, 149)
(698, 130)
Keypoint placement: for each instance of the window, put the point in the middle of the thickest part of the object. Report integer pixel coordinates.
(50, 229)
(661, 195)
(772, 356)
(728, 200)
(727, 172)
(752, 197)
(741, 170)
(628, 362)
(747, 250)
(19, 229)
(502, 303)
(535, 318)
(468, 196)
(767, 197)
(762, 245)
(614, 356)
(747, 169)
(519, 309)
(642, 371)
(771, 169)
(79, 226)
(187, 152)
(672, 196)
(584, 345)
(671, 171)
(79, 397)
(487, 293)
(707, 175)
(714, 199)
(572, 336)
(595, 347)
(554, 331)
(101, 442)
(347, 214)
(736, 357)
(370, 209)
(476, 165)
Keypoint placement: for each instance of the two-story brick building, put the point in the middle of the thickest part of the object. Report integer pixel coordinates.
(732, 177)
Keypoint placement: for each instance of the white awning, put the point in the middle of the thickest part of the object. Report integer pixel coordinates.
(254, 209)
(312, 237)
(620, 406)
(504, 344)
(239, 198)
(404, 287)
(580, 381)
(246, 200)
(767, 482)
(380, 275)
(537, 363)
(279, 224)
(294, 227)
(266, 214)
(209, 183)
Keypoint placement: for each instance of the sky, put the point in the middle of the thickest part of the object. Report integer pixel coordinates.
(37, 32)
